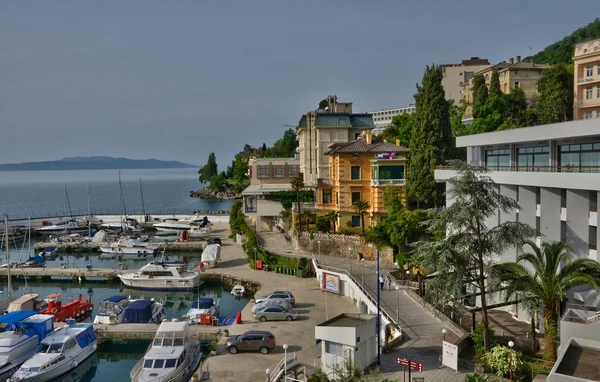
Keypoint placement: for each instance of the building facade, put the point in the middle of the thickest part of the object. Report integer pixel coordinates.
(454, 75)
(586, 68)
(317, 130)
(512, 75)
(267, 175)
(359, 171)
(553, 172)
(383, 118)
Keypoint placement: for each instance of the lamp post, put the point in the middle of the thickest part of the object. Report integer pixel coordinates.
(397, 304)
(349, 254)
(319, 244)
(378, 314)
(285, 347)
(268, 373)
(363, 271)
(510, 346)
(444, 331)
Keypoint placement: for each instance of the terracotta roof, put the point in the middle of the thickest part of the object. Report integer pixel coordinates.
(360, 146)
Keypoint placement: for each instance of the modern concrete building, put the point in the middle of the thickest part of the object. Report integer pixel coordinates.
(586, 68)
(512, 75)
(553, 171)
(317, 130)
(383, 118)
(351, 337)
(577, 362)
(457, 74)
(267, 175)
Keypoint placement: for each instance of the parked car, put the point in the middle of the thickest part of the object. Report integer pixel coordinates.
(273, 313)
(213, 240)
(281, 302)
(253, 340)
(279, 294)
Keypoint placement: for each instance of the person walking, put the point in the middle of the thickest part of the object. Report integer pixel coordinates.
(381, 282)
(389, 282)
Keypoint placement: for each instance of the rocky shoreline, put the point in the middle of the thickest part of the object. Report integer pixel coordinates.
(206, 193)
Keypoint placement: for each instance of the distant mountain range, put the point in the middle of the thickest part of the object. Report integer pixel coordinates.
(94, 163)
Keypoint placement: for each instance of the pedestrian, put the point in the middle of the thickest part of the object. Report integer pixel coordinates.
(389, 282)
(381, 282)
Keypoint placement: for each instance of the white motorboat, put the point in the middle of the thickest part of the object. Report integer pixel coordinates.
(58, 353)
(64, 226)
(112, 310)
(173, 356)
(129, 246)
(238, 290)
(19, 342)
(160, 276)
(211, 255)
(181, 225)
(30, 301)
(203, 311)
(119, 309)
(48, 251)
(126, 225)
(198, 232)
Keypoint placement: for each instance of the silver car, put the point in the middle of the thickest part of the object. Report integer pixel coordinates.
(274, 312)
(283, 303)
(279, 294)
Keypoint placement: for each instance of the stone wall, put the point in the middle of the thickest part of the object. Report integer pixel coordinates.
(338, 245)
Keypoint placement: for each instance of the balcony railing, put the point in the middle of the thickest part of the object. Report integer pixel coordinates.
(581, 169)
(325, 182)
(385, 182)
(588, 102)
(583, 80)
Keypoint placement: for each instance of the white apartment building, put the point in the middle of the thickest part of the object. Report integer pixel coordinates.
(383, 118)
(553, 171)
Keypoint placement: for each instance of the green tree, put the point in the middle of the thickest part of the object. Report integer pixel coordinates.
(401, 128)
(555, 103)
(322, 224)
(480, 100)
(218, 182)
(547, 274)
(478, 82)
(361, 207)
(495, 84)
(333, 217)
(470, 243)
(323, 104)
(391, 199)
(516, 106)
(297, 185)
(305, 216)
(240, 169)
(431, 143)
(209, 170)
(263, 147)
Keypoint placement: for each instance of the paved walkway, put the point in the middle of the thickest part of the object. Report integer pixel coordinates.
(422, 332)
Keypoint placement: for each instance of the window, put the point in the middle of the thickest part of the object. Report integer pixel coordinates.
(592, 237)
(355, 172)
(497, 159)
(262, 171)
(355, 221)
(294, 171)
(516, 72)
(158, 364)
(580, 157)
(540, 71)
(170, 363)
(598, 91)
(326, 196)
(355, 197)
(250, 204)
(598, 70)
(588, 115)
(589, 71)
(334, 348)
(278, 171)
(516, 84)
(588, 92)
(148, 363)
(533, 158)
(391, 172)
(337, 198)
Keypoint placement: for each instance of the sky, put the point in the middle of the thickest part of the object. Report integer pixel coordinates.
(175, 80)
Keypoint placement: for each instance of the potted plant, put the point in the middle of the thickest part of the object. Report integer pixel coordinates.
(213, 349)
(195, 377)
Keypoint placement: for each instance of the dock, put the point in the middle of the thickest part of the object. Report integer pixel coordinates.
(191, 246)
(106, 332)
(73, 273)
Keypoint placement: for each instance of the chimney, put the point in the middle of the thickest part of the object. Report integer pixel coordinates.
(368, 138)
(512, 60)
(397, 142)
(531, 62)
(518, 59)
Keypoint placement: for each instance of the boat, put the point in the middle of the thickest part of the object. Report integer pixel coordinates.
(64, 227)
(198, 232)
(128, 224)
(129, 246)
(33, 262)
(173, 355)
(112, 310)
(12, 234)
(18, 343)
(144, 312)
(238, 290)
(203, 311)
(59, 353)
(30, 301)
(78, 309)
(211, 255)
(180, 225)
(48, 251)
(160, 276)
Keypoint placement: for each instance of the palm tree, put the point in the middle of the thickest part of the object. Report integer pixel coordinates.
(306, 215)
(297, 185)
(361, 206)
(333, 217)
(548, 282)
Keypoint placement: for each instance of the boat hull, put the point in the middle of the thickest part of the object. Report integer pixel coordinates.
(157, 287)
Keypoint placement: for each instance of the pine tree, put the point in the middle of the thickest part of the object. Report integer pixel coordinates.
(495, 85)
(209, 170)
(478, 82)
(480, 98)
(556, 94)
(431, 144)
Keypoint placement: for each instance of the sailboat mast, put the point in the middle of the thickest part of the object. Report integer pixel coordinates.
(7, 256)
(67, 204)
(122, 206)
(29, 233)
(142, 210)
(89, 213)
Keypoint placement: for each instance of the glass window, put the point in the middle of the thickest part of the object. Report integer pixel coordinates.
(533, 158)
(598, 113)
(589, 70)
(148, 363)
(516, 84)
(355, 172)
(580, 158)
(598, 70)
(334, 348)
(355, 221)
(250, 204)
(497, 159)
(170, 363)
(598, 91)
(588, 92)
(278, 171)
(588, 115)
(262, 171)
(326, 196)
(159, 363)
(355, 197)
(391, 172)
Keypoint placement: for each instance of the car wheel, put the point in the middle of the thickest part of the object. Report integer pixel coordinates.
(233, 350)
(263, 319)
(289, 318)
(264, 350)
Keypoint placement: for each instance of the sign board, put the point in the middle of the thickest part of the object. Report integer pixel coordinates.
(331, 283)
(402, 361)
(450, 355)
(416, 366)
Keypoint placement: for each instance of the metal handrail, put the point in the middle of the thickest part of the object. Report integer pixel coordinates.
(573, 168)
(276, 372)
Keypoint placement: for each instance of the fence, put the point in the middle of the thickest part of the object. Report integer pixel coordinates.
(328, 236)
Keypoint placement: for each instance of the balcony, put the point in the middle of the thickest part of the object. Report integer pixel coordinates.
(587, 80)
(386, 182)
(584, 169)
(588, 103)
(325, 182)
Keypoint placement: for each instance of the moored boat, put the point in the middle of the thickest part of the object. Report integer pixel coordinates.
(238, 290)
(48, 251)
(30, 301)
(181, 224)
(211, 255)
(203, 311)
(160, 276)
(78, 309)
(112, 310)
(129, 246)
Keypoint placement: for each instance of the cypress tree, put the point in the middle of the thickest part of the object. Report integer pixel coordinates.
(556, 94)
(209, 170)
(479, 100)
(431, 143)
(495, 84)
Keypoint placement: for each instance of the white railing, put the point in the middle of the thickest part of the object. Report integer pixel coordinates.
(334, 236)
(581, 80)
(385, 182)
(282, 367)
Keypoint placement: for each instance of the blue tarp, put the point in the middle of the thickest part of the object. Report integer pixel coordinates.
(204, 303)
(37, 259)
(115, 299)
(38, 327)
(49, 249)
(8, 320)
(139, 312)
(85, 338)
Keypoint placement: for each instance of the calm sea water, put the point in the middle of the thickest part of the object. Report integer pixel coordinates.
(41, 193)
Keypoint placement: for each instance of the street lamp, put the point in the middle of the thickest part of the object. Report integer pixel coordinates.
(319, 243)
(398, 304)
(407, 276)
(349, 255)
(268, 373)
(444, 331)
(510, 346)
(285, 347)
(378, 313)
(363, 271)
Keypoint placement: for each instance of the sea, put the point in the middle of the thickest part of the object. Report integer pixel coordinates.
(42, 194)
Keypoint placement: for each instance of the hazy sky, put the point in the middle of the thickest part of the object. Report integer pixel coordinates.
(175, 80)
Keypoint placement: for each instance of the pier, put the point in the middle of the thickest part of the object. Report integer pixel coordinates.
(73, 273)
(106, 332)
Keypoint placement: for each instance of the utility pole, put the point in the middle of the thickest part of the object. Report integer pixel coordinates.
(378, 313)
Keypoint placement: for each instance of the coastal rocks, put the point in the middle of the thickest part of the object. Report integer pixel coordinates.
(206, 193)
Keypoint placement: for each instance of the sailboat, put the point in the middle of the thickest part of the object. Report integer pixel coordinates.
(9, 297)
(126, 225)
(32, 261)
(68, 225)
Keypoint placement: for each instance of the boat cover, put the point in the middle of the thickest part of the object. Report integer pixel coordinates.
(115, 299)
(85, 338)
(49, 249)
(37, 259)
(139, 312)
(40, 326)
(211, 254)
(203, 303)
(9, 319)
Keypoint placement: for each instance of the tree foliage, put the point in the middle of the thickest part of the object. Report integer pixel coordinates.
(500, 360)
(209, 170)
(556, 94)
(431, 143)
(401, 128)
(288, 197)
(361, 207)
(495, 84)
(284, 147)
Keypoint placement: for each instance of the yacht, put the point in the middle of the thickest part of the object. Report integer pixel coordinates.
(203, 311)
(198, 232)
(20, 342)
(64, 226)
(173, 356)
(118, 309)
(129, 246)
(160, 276)
(127, 225)
(58, 353)
(211, 255)
(112, 310)
(180, 225)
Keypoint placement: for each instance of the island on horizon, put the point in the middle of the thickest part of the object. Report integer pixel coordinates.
(94, 163)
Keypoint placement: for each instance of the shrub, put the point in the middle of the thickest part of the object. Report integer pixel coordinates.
(499, 360)
(322, 224)
(476, 378)
(477, 338)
